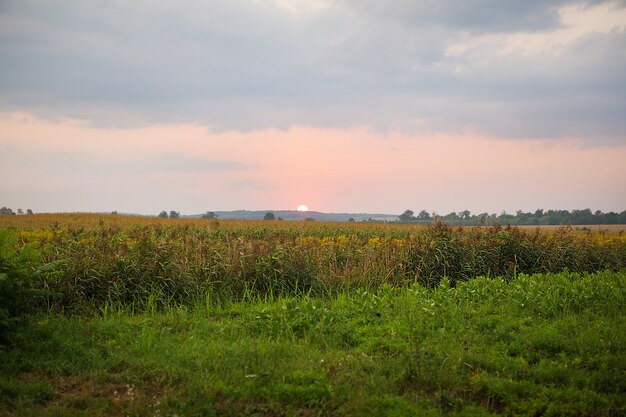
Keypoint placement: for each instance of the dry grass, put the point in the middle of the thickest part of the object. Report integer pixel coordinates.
(610, 229)
(94, 220)
(128, 259)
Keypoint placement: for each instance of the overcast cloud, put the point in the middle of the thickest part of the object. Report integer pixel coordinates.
(501, 68)
(342, 105)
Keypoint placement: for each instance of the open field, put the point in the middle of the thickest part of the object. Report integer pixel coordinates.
(610, 229)
(118, 315)
(89, 220)
(550, 345)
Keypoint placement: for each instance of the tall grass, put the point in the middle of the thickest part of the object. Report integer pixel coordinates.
(120, 259)
(544, 344)
(276, 318)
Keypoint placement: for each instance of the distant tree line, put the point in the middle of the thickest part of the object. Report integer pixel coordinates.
(520, 218)
(6, 210)
(173, 214)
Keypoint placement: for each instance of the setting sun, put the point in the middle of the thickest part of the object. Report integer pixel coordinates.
(302, 207)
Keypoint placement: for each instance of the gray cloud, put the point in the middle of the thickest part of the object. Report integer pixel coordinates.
(250, 65)
(476, 16)
(82, 163)
(249, 184)
(173, 162)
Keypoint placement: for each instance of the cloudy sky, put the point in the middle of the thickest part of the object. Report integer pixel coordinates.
(343, 105)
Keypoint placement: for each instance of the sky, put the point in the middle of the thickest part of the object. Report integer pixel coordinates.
(342, 105)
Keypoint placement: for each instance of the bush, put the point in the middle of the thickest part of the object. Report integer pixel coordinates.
(19, 270)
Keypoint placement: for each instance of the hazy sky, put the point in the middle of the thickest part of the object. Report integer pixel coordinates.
(342, 105)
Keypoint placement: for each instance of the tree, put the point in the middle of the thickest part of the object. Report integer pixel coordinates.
(174, 214)
(163, 214)
(505, 216)
(6, 210)
(209, 215)
(407, 216)
(451, 216)
(29, 211)
(423, 215)
(269, 216)
(611, 217)
(351, 219)
(20, 211)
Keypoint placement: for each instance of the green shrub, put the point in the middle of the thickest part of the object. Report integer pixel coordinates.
(19, 271)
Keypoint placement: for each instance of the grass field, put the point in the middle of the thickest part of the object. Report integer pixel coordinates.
(117, 315)
(89, 220)
(610, 229)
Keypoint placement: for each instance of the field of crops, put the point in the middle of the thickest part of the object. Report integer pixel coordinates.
(120, 315)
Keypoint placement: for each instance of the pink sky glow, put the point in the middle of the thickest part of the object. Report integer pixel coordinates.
(71, 166)
(344, 106)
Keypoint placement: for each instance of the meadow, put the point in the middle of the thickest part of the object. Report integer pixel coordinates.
(119, 315)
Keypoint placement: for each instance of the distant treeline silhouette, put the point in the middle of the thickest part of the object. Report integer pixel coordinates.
(520, 218)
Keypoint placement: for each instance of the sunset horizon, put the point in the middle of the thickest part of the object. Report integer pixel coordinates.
(313, 208)
(278, 103)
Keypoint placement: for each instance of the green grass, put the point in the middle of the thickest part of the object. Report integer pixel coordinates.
(541, 345)
(177, 262)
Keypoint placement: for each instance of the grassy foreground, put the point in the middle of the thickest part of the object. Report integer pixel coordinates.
(103, 259)
(538, 345)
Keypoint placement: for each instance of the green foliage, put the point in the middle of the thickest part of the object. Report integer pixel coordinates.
(20, 393)
(210, 215)
(217, 318)
(17, 270)
(181, 262)
(485, 347)
(20, 270)
(520, 218)
(407, 216)
(6, 210)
